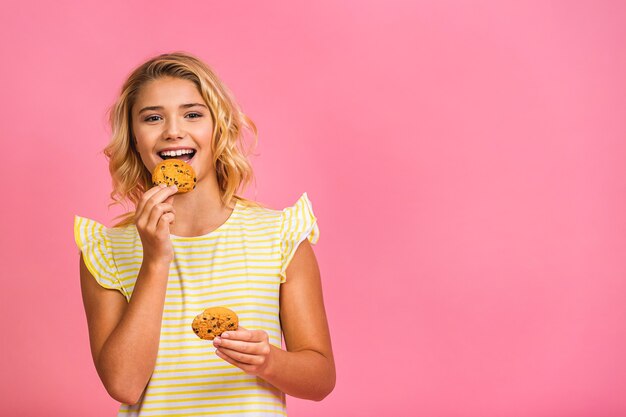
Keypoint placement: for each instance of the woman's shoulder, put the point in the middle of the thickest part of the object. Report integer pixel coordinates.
(255, 208)
(291, 222)
(258, 206)
(90, 229)
(256, 211)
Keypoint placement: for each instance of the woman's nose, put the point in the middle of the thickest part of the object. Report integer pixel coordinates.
(172, 130)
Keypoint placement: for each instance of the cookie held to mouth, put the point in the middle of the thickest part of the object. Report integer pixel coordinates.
(214, 321)
(175, 172)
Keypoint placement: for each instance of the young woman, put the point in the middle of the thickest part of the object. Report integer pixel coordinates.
(145, 279)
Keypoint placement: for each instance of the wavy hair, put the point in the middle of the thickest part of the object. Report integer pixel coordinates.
(129, 175)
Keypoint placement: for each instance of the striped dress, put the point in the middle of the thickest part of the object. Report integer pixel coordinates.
(239, 265)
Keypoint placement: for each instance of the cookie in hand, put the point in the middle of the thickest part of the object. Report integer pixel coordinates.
(213, 321)
(175, 171)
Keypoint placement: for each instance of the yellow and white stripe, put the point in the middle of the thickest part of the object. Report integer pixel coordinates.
(240, 265)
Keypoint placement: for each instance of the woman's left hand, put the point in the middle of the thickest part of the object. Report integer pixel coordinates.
(249, 350)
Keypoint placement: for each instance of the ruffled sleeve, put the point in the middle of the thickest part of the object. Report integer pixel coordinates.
(297, 223)
(94, 241)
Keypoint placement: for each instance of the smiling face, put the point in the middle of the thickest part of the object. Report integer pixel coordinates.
(171, 120)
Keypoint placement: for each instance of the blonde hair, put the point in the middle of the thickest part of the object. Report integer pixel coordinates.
(129, 175)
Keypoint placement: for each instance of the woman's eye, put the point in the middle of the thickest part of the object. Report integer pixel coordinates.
(151, 118)
(194, 115)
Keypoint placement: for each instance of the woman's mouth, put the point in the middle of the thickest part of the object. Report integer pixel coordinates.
(182, 154)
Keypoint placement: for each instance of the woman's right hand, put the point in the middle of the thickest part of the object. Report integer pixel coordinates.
(153, 217)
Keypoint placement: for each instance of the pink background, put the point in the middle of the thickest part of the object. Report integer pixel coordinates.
(466, 161)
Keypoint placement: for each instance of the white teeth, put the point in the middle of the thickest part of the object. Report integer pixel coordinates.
(177, 152)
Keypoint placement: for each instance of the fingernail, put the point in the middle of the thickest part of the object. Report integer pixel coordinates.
(225, 335)
(217, 340)
(174, 187)
(162, 185)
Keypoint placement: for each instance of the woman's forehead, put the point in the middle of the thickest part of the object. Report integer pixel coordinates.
(168, 91)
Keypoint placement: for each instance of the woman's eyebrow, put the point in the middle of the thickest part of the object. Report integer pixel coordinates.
(182, 106)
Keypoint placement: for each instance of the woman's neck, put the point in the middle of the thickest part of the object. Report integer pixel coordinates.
(199, 211)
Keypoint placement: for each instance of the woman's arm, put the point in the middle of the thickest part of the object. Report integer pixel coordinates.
(307, 368)
(124, 337)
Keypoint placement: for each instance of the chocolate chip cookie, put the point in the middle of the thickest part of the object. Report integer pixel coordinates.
(175, 171)
(214, 321)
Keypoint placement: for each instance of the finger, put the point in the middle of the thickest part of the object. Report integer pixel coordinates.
(253, 348)
(243, 358)
(243, 366)
(245, 335)
(156, 214)
(163, 226)
(147, 195)
(158, 194)
(157, 198)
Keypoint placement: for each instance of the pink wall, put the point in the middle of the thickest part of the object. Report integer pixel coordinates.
(466, 161)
